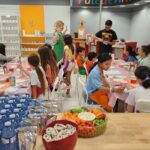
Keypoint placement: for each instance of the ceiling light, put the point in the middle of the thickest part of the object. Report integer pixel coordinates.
(136, 4)
(84, 7)
(105, 7)
(122, 6)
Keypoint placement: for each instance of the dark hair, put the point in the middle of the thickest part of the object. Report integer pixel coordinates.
(80, 49)
(143, 73)
(2, 49)
(131, 52)
(47, 57)
(50, 48)
(102, 58)
(34, 60)
(108, 23)
(69, 41)
(91, 55)
(146, 49)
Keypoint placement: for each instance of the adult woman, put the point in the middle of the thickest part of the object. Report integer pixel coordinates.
(58, 39)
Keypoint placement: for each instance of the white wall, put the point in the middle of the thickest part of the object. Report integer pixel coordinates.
(54, 13)
(140, 25)
(121, 20)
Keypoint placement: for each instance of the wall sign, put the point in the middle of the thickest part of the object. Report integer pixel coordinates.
(93, 3)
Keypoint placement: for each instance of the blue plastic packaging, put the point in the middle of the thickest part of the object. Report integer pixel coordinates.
(3, 113)
(9, 137)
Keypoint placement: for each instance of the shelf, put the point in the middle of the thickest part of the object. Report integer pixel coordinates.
(29, 52)
(33, 36)
(11, 35)
(32, 43)
(9, 42)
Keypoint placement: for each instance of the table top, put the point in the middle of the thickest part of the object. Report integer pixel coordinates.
(22, 82)
(124, 132)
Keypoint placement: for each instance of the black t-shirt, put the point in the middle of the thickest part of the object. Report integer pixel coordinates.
(106, 36)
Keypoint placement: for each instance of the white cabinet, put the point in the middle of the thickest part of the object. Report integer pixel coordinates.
(10, 34)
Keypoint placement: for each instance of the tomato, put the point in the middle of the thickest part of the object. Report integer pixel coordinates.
(102, 116)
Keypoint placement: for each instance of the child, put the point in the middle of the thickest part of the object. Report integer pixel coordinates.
(144, 54)
(97, 87)
(142, 91)
(50, 48)
(68, 61)
(91, 60)
(49, 65)
(81, 60)
(131, 56)
(39, 85)
(58, 39)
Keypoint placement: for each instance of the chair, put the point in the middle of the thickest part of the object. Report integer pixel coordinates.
(55, 97)
(142, 105)
(132, 44)
(83, 98)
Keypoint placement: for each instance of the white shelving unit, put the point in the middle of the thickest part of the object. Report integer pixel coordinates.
(10, 34)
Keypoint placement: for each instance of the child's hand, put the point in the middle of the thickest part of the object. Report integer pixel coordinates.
(119, 89)
(55, 39)
(20, 67)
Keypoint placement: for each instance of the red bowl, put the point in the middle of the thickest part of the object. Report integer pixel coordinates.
(67, 143)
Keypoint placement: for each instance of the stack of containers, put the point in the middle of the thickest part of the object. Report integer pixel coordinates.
(12, 110)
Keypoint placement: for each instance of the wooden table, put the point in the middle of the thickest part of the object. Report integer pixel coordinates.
(124, 132)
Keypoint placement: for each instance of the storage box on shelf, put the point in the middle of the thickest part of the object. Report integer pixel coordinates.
(10, 34)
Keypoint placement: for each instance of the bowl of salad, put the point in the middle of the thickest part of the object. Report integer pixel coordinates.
(91, 121)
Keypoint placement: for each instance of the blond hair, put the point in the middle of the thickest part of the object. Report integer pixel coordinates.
(59, 23)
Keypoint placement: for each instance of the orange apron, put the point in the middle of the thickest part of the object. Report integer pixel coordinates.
(101, 97)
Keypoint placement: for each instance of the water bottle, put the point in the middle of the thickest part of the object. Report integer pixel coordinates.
(6, 98)
(8, 108)
(14, 121)
(1, 127)
(23, 111)
(3, 113)
(17, 98)
(1, 103)
(17, 95)
(9, 137)
(12, 103)
(1, 124)
(27, 97)
(24, 103)
(17, 114)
